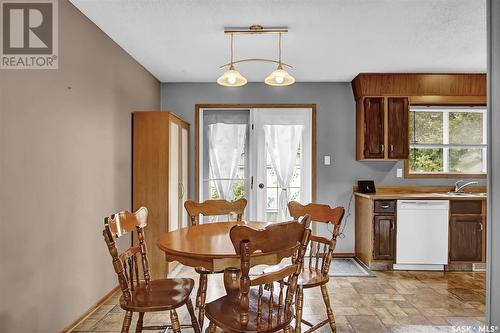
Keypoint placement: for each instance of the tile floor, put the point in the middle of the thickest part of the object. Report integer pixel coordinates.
(390, 302)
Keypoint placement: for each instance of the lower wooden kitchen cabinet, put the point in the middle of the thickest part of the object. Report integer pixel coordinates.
(384, 237)
(467, 231)
(376, 228)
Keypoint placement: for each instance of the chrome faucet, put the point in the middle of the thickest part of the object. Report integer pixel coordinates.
(459, 186)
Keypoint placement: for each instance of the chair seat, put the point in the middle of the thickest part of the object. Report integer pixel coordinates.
(224, 312)
(164, 294)
(309, 278)
(201, 270)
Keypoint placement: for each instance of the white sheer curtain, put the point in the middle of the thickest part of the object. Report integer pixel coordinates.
(282, 142)
(226, 143)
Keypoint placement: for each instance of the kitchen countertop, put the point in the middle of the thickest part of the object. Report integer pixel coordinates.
(420, 196)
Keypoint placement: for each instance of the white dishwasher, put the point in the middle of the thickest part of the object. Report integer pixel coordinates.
(422, 234)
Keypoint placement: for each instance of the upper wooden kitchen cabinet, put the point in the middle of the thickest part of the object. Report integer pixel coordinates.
(383, 125)
(373, 127)
(160, 167)
(398, 111)
(383, 103)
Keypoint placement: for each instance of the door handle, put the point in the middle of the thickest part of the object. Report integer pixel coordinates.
(181, 190)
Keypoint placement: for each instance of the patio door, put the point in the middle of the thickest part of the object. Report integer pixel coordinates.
(261, 154)
(282, 144)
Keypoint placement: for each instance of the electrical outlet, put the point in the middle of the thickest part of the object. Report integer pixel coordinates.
(327, 160)
(399, 173)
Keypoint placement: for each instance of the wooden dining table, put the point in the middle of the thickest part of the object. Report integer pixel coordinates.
(209, 246)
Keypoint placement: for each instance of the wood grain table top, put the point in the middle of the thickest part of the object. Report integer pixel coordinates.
(205, 241)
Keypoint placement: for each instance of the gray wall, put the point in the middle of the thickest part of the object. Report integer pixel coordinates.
(493, 294)
(335, 134)
(65, 161)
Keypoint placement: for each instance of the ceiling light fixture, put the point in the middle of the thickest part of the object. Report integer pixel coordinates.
(279, 77)
(233, 78)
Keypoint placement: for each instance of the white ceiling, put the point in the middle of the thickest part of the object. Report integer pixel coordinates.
(329, 40)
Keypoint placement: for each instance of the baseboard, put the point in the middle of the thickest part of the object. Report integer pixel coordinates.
(91, 310)
(344, 255)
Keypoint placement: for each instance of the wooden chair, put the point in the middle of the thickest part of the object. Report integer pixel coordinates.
(210, 208)
(315, 273)
(257, 309)
(144, 295)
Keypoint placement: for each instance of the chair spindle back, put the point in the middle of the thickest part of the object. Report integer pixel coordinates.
(126, 264)
(321, 248)
(214, 208)
(284, 239)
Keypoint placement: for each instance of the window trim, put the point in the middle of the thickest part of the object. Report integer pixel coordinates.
(445, 146)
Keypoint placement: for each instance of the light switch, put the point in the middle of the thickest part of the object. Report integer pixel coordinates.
(399, 173)
(327, 160)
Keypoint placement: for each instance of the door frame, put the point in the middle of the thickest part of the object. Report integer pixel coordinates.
(198, 123)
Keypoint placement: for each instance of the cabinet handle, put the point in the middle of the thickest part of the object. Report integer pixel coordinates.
(382, 148)
(384, 206)
(480, 226)
(392, 225)
(392, 147)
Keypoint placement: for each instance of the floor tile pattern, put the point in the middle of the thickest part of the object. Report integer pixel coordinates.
(393, 301)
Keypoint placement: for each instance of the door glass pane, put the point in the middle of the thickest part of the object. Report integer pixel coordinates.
(238, 189)
(225, 154)
(294, 194)
(273, 190)
(466, 160)
(272, 199)
(426, 127)
(466, 128)
(237, 186)
(272, 180)
(296, 181)
(426, 160)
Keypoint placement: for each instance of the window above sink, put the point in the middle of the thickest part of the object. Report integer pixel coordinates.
(447, 141)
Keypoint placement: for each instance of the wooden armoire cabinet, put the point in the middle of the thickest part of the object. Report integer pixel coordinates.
(160, 177)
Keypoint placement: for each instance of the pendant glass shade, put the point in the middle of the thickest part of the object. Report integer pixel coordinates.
(232, 78)
(279, 77)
